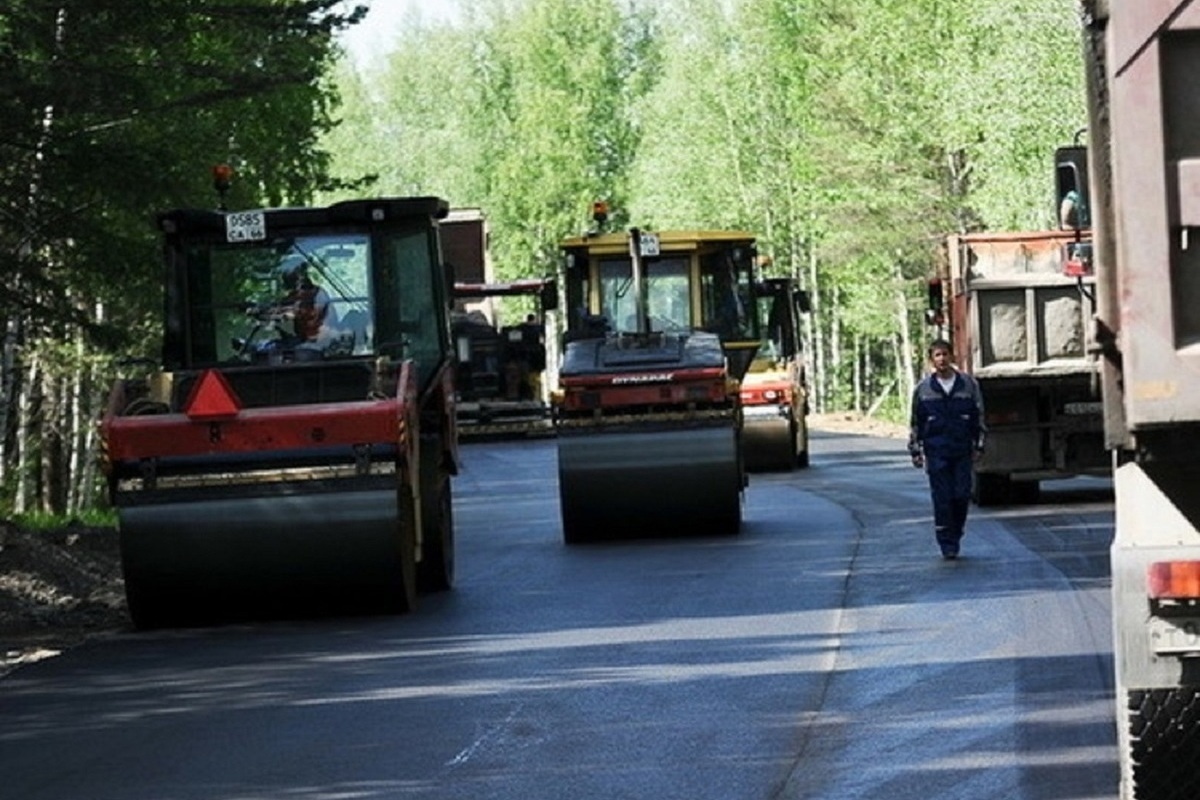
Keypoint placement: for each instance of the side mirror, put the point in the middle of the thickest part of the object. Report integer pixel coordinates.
(1077, 259)
(802, 300)
(935, 312)
(1071, 188)
(549, 296)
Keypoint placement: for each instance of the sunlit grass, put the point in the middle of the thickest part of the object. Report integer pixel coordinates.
(92, 518)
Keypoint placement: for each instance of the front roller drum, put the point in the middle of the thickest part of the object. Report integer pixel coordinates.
(649, 483)
(284, 555)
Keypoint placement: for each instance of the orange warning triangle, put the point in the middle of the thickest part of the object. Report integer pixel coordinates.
(212, 397)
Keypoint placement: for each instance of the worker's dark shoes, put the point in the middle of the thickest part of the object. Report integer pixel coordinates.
(950, 552)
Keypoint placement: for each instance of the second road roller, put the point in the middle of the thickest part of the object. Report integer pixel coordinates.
(661, 327)
(775, 388)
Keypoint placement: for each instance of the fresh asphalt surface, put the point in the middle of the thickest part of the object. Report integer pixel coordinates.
(824, 652)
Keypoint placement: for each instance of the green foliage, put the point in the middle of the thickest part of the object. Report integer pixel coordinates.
(108, 115)
(851, 136)
(526, 112)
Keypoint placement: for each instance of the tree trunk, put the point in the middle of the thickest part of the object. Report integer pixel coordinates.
(48, 434)
(8, 384)
(91, 400)
(25, 401)
(835, 345)
(89, 452)
(905, 368)
(817, 350)
(857, 377)
(874, 407)
(16, 334)
(75, 438)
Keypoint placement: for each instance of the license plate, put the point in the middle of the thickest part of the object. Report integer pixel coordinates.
(245, 226)
(648, 244)
(1096, 407)
(1175, 636)
(765, 411)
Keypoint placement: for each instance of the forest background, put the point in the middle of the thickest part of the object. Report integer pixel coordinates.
(851, 135)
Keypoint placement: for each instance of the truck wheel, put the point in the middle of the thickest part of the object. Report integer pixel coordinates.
(436, 570)
(1163, 727)
(991, 489)
(1025, 492)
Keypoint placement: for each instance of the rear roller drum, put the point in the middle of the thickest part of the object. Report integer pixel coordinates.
(435, 573)
(401, 596)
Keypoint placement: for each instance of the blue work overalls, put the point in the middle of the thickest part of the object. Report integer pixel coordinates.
(947, 428)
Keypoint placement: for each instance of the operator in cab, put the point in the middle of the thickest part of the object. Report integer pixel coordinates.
(308, 302)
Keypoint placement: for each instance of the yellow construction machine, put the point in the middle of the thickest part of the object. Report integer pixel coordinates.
(661, 327)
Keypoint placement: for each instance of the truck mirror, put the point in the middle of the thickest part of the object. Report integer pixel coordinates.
(1071, 187)
(802, 300)
(935, 312)
(549, 296)
(1077, 259)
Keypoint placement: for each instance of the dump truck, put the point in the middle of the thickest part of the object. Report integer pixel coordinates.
(291, 453)
(661, 327)
(502, 368)
(466, 246)
(1141, 61)
(774, 391)
(1020, 325)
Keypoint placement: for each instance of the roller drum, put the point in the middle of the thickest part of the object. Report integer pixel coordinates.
(282, 554)
(769, 443)
(637, 482)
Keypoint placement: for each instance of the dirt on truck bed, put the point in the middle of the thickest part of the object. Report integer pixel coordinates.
(58, 587)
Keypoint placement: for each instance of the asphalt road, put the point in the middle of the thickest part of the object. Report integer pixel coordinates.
(825, 652)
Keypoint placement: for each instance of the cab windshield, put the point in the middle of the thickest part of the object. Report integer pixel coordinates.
(289, 298)
(666, 292)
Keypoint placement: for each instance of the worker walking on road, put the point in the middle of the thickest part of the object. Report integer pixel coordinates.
(946, 435)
